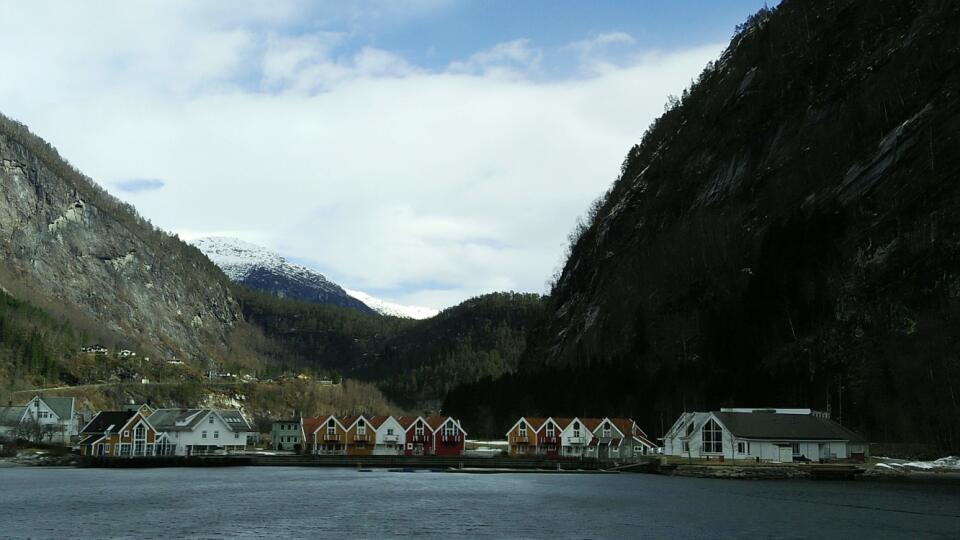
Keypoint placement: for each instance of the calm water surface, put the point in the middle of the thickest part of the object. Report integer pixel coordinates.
(326, 503)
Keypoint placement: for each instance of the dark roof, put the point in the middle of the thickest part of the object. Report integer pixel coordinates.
(90, 439)
(785, 426)
(108, 420)
(62, 406)
(11, 416)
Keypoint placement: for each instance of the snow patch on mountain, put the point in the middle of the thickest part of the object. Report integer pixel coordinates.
(239, 259)
(392, 309)
(260, 268)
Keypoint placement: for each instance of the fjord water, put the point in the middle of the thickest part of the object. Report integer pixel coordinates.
(325, 503)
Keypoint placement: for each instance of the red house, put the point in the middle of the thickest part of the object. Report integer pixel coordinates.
(419, 436)
(548, 437)
(449, 439)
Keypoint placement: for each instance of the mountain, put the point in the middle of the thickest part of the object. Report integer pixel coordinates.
(392, 309)
(787, 233)
(261, 269)
(90, 260)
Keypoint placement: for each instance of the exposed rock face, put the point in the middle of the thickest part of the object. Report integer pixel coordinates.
(69, 242)
(789, 234)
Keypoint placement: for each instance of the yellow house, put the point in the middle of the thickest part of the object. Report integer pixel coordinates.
(118, 434)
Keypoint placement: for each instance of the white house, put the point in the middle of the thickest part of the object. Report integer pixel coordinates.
(775, 435)
(190, 432)
(46, 419)
(389, 436)
(576, 437)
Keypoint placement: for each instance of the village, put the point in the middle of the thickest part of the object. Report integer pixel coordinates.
(140, 432)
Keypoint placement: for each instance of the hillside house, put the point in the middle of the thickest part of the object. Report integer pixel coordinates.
(774, 435)
(118, 434)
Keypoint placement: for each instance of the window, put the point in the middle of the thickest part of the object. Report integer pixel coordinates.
(712, 438)
(741, 447)
(203, 435)
(606, 429)
(236, 435)
(211, 418)
(796, 448)
(126, 433)
(450, 429)
(361, 427)
(216, 434)
(686, 446)
(551, 429)
(576, 429)
(390, 431)
(418, 430)
(522, 429)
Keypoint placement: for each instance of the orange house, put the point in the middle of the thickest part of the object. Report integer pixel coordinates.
(329, 437)
(361, 435)
(118, 434)
(522, 437)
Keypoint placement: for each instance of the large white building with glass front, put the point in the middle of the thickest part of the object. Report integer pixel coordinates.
(772, 435)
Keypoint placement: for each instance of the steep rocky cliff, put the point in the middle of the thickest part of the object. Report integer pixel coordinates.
(788, 233)
(67, 244)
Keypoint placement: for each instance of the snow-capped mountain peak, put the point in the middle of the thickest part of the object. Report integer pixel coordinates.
(392, 309)
(259, 268)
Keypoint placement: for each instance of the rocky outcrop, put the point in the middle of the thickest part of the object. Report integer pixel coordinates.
(790, 233)
(65, 240)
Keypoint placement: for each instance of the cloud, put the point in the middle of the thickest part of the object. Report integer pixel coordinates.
(515, 57)
(430, 184)
(139, 185)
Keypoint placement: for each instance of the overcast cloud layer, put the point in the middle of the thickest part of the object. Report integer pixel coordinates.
(267, 121)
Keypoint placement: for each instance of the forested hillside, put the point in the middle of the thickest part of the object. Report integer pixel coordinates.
(414, 362)
(786, 234)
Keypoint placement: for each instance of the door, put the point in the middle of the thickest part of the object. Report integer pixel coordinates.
(786, 454)
(99, 450)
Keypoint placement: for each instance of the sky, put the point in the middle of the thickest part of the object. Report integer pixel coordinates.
(422, 151)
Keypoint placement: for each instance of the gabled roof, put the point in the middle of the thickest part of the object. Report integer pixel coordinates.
(408, 422)
(61, 406)
(111, 421)
(377, 421)
(322, 422)
(310, 426)
(591, 423)
(11, 416)
(190, 419)
(437, 422)
(784, 426)
(90, 439)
